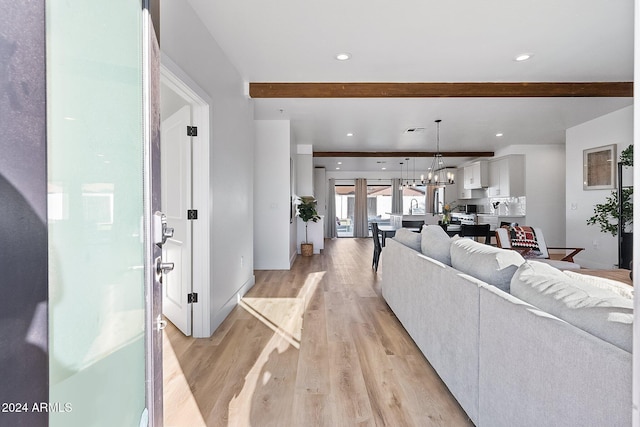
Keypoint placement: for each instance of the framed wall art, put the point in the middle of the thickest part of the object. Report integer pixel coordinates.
(599, 166)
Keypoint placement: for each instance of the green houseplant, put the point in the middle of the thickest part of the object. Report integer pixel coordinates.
(307, 212)
(615, 215)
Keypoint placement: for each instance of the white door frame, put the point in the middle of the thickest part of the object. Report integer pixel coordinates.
(174, 77)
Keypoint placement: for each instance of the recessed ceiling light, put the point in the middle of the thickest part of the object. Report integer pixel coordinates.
(499, 135)
(339, 163)
(350, 134)
(384, 169)
(337, 169)
(523, 57)
(343, 56)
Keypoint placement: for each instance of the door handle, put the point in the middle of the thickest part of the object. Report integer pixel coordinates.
(164, 267)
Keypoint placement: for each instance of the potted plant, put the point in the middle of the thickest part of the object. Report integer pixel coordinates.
(615, 215)
(307, 212)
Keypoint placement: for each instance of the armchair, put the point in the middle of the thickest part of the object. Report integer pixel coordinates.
(529, 241)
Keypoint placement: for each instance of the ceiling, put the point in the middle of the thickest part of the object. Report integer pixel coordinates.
(426, 41)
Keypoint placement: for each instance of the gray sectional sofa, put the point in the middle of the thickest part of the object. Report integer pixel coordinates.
(518, 343)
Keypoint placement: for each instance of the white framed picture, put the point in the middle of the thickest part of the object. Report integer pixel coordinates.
(599, 166)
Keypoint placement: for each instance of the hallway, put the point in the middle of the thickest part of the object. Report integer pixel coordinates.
(314, 346)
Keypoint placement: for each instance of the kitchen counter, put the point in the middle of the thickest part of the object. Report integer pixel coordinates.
(495, 220)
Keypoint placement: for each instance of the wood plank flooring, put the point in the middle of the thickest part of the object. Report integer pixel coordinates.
(314, 346)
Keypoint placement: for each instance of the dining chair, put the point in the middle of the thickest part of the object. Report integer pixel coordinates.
(377, 245)
(476, 230)
(412, 224)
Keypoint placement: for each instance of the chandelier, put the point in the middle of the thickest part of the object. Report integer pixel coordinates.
(407, 184)
(437, 173)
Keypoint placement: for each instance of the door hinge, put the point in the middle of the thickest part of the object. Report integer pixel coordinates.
(192, 130)
(192, 214)
(192, 298)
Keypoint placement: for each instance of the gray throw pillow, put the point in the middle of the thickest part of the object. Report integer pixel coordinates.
(435, 243)
(408, 238)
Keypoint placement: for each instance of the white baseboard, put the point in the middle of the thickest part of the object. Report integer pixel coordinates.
(231, 303)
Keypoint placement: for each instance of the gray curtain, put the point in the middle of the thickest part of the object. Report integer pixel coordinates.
(331, 210)
(361, 223)
(396, 196)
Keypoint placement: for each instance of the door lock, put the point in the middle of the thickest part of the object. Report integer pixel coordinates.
(161, 232)
(167, 232)
(161, 323)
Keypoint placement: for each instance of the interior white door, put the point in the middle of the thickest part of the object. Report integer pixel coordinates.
(176, 200)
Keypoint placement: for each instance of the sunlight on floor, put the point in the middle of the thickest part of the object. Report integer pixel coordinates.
(310, 286)
(181, 399)
(283, 316)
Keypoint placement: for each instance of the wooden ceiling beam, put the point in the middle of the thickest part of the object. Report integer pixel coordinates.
(442, 90)
(402, 153)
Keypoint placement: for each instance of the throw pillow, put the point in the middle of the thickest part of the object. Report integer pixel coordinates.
(409, 238)
(436, 244)
(492, 265)
(525, 237)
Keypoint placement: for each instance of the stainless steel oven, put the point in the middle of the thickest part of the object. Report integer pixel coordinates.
(464, 218)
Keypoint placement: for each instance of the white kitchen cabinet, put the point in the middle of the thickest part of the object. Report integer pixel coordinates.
(506, 176)
(476, 175)
(464, 193)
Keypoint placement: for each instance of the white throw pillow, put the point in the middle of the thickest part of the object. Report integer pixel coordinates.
(409, 238)
(436, 244)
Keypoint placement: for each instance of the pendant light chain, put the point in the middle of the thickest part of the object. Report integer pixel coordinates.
(437, 173)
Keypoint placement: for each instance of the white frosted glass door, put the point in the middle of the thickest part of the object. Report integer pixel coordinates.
(95, 185)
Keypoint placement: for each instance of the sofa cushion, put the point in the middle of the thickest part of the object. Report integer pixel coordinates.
(598, 311)
(409, 238)
(492, 265)
(436, 243)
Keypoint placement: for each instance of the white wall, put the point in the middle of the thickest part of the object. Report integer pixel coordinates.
(272, 229)
(304, 170)
(601, 250)
(293, 224)
(320, 184)
(186, 41)
(544, 188)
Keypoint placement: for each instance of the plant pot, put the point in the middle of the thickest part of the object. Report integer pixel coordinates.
(306, 249)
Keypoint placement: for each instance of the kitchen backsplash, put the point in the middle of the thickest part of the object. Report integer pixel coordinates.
(506, 206)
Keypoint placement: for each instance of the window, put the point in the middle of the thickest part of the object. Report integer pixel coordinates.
(379, 203)
(345, 205)
(413, 200)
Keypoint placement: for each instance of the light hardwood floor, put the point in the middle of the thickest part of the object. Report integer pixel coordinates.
(314, 346)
